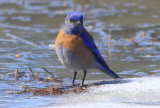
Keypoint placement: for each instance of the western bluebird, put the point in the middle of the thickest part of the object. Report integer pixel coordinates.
(76, 49)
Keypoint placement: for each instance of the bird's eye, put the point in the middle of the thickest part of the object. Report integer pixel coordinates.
(71, 20)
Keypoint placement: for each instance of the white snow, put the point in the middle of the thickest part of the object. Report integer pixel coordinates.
(125, 93)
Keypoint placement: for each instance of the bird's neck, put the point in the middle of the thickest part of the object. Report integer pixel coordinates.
(70, 29)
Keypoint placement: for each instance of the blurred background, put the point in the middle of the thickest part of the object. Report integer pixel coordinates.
(126, 32)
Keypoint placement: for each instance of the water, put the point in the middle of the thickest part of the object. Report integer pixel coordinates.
(29, 28)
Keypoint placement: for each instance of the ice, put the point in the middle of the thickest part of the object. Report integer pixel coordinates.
(125, 93)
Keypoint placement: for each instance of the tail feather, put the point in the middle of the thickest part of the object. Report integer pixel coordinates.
(108, 71)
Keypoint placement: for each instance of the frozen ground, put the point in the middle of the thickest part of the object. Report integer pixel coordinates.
(126, 93)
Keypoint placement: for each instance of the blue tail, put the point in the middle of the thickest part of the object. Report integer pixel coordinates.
(108, 72)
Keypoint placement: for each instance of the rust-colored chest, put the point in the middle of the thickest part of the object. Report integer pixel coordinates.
(75, 44)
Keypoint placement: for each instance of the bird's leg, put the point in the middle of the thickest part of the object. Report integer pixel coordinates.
(85, 72)
(75, 73)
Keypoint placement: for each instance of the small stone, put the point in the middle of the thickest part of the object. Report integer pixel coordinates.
(18, 56)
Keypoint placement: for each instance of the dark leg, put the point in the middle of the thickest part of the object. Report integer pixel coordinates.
(85, 72)
(75, 73)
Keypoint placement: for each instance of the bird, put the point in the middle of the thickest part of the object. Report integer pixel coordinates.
(76, 49)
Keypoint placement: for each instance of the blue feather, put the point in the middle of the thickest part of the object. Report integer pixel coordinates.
(76, 16)
(89, 42)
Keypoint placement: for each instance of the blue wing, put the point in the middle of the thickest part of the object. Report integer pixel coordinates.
(89, 42)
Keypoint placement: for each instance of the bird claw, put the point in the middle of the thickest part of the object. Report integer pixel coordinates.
(75, 84)
(85, 86)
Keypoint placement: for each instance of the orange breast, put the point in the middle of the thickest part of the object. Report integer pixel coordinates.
(74, 43)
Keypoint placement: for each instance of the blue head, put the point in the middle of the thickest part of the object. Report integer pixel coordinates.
(73, 23)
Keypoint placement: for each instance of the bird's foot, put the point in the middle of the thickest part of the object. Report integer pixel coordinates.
(85, 86)
(75, 85)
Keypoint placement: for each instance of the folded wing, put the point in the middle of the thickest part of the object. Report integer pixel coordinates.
(89, 42)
